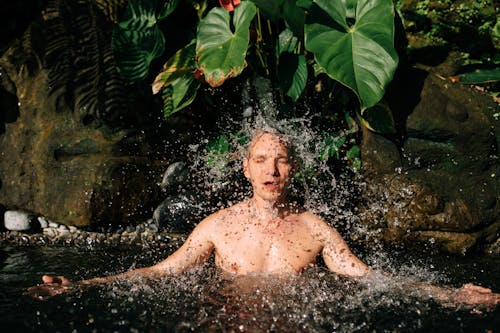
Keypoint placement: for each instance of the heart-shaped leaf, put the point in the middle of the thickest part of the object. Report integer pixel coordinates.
(354, 42)
(221, 51)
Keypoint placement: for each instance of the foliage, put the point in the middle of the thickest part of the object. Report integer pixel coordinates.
(468, 27)
(137, 39)
(291, 42)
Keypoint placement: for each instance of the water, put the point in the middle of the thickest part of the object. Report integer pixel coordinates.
(202, 300)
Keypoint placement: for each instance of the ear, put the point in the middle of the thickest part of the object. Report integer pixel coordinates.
(245, 168)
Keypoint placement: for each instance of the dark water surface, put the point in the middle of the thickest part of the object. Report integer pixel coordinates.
(203, 301)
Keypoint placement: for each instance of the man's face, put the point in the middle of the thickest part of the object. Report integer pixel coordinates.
(268, 167)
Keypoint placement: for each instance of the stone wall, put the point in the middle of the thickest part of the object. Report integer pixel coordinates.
(437, 183)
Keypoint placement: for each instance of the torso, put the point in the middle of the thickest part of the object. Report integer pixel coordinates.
(246, 244)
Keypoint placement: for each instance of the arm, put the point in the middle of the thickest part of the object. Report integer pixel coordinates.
(336, 253)
(339, 259)
(194, 251)
(468, 295)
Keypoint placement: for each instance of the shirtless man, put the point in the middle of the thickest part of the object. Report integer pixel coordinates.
(266, 234)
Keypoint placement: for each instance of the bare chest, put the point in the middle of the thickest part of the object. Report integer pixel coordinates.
(279, 250)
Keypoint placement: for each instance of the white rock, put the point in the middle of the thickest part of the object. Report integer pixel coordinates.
(17, 220)
(50, 232)
(43, 222)
(53, 224)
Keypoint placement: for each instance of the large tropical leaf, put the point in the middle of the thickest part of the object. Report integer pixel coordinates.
(270, 9)
(354, 42)
(167, 9)
(288, 10)
(135, 50)
(294, 17)
(137, 39)
(179, 94)
(292, 68)
(220, 51)
(181, 63)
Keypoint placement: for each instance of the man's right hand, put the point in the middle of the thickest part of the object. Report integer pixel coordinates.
(51, 286)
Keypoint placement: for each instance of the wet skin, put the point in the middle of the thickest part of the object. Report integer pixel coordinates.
(266, 235)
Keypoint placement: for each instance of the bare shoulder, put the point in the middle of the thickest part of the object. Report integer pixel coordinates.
(219, 217)
(319, 227)
(314, 221)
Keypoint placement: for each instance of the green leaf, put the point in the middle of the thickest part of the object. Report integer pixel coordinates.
(353, 152)
(306, 4)
(180, 64)
(135, 50)
(168, 7)
(292, 68)
(137, 40)
(295, 17)
(270, 9)
(179, 94)
(218, 153)
(357, 51)
(378, 118)
(287, 42)
(139, 15)
(292, 73)
(480, 76)
(221, 52)
(331, 146)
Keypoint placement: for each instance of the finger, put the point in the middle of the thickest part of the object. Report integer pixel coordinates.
(473, 287)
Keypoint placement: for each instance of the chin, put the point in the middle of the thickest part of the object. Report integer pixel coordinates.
(273, 197)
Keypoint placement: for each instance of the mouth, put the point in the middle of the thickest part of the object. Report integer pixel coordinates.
(271, 185)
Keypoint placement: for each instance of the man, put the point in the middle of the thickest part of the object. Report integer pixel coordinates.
(266, 235)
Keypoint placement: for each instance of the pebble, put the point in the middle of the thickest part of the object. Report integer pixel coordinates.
(53, 224)
(43, 222)
(145, 235)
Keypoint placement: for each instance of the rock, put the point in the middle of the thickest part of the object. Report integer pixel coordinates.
(53, 224)
(86, 154)
(455, 243)
(176, 174)
(43, 222)
(176, 214)
(50, 232)
(152, 227)
(18, 220)
(441, 176)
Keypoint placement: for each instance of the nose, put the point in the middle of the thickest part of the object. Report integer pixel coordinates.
(272, 168)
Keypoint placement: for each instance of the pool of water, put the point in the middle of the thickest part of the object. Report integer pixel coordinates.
(202, 300)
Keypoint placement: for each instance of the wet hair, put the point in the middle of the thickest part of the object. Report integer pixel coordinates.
(282, 137)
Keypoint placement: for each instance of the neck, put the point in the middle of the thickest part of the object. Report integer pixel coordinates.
(267, 209)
